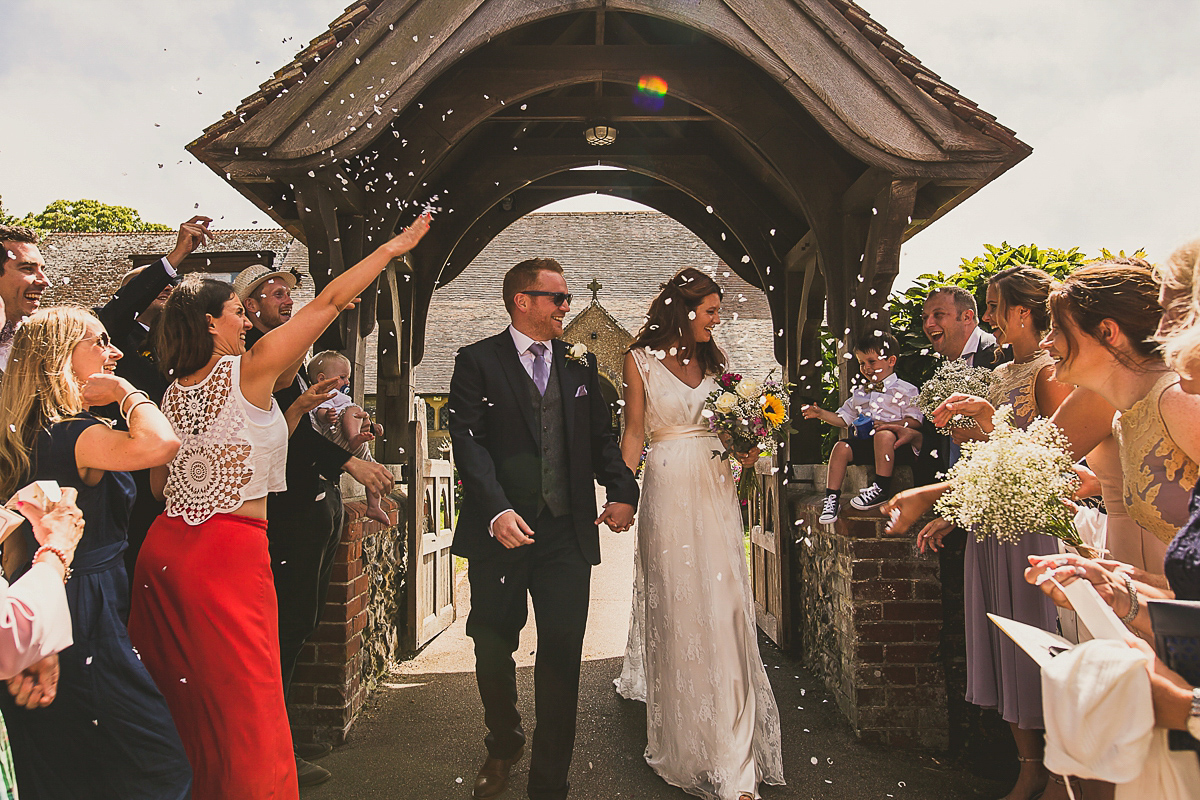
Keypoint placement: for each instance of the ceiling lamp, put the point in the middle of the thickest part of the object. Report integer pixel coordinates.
(600, 134)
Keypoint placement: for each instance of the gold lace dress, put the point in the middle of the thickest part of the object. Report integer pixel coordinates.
(999, 674)
(1158, 476)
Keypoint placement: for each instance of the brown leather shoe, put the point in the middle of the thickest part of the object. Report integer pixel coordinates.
(493, 776)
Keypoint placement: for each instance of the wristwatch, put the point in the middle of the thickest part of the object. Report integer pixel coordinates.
(1193, 723)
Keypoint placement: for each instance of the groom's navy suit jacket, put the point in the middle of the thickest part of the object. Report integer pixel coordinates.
(496, 450)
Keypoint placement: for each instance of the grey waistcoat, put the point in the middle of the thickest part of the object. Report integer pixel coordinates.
(552, 442)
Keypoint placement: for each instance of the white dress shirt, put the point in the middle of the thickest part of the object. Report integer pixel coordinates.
(897, 401)
(971, 347)
(523, 344)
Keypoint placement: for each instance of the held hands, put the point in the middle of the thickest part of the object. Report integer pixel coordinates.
(407, 239)
(619, 516)
(37, 685)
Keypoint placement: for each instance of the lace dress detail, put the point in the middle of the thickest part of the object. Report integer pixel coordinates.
(712, 724)
(225, 456)
(1158, 475)
(1014, 385)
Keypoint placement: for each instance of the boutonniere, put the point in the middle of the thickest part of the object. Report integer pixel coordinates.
(578, 352)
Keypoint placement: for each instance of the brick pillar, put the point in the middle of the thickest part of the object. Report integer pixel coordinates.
(869, 613)
(329, 688)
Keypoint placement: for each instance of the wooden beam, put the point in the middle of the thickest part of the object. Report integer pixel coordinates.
(613, 109)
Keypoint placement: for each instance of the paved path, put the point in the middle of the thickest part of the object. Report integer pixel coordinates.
(421, 735)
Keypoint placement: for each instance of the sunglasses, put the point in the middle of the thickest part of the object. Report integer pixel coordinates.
(558, 297)
(102, 339)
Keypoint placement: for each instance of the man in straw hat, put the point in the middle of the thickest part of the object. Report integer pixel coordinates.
(304, 523)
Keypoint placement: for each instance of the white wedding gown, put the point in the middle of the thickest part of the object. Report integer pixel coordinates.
(712, 725)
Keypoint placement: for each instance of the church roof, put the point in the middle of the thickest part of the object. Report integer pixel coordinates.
(630, 253)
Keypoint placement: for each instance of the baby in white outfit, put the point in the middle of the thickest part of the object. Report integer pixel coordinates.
(342, 421)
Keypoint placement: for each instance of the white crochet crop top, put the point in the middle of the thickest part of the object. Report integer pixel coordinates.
(232, 450)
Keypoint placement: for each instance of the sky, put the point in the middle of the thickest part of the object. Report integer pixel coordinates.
(102, 96)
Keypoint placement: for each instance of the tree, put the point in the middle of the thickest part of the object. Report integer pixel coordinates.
(87, 216)
(5, 219)
(917, 360)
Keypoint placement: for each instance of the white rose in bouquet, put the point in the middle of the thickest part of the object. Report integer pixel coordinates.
(726, 403)
(749, 389)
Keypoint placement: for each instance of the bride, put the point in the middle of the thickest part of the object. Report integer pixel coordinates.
(712, 726)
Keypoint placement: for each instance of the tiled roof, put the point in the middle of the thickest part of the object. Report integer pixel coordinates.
(630, 253)
(86, 268)
(922, 77)
(909, 65)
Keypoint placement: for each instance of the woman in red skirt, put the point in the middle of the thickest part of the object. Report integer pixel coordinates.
(204, 615)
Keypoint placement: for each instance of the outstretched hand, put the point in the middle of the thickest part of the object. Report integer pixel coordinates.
(192, 234)
(976, 408)
(407, 239)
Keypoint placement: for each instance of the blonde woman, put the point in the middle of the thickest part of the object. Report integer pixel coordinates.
(123, 741)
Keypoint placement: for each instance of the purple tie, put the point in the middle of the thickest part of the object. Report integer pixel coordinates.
(541, 370)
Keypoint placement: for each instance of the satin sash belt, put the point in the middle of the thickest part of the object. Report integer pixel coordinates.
(100, 559)
(681, 432)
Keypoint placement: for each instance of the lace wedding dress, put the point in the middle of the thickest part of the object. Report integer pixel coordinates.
(712, 725)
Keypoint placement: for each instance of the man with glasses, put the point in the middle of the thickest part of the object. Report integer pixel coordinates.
(531, 433)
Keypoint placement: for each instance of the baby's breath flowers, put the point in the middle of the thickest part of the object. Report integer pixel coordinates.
(1014, 483)
(954, 377)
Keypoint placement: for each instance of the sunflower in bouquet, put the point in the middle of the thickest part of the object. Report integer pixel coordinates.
(1016, 482)
(748, 413)
(954, 376)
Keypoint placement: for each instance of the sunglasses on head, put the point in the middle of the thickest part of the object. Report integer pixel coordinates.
(558, 297)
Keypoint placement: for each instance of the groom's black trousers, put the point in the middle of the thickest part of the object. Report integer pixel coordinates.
(555, 574)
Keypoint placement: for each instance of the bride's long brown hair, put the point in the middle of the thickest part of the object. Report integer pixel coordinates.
(669, 321)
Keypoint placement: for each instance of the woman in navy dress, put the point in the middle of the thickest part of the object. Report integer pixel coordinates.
(105, 731)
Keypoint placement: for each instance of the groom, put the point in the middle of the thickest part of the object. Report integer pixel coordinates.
(531, 431)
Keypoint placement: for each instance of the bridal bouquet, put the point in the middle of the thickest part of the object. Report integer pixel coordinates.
(1015, 483)
(954, 377)
(748, 414)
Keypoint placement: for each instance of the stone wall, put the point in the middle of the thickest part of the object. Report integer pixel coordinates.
(868, 609)
(359, 631)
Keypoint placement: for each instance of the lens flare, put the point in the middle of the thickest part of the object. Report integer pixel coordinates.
(651, 93)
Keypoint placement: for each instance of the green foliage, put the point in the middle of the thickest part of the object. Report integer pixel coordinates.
(86, 216)
(916, 362)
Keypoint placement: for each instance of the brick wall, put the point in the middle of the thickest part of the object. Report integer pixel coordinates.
(358, 633)
(869, 614)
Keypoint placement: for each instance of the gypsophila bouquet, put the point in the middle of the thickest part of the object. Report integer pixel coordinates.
(1014, 483)
(753, 414)
(954, 377)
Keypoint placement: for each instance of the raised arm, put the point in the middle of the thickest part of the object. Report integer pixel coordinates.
(633, 438)
(280, 349)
